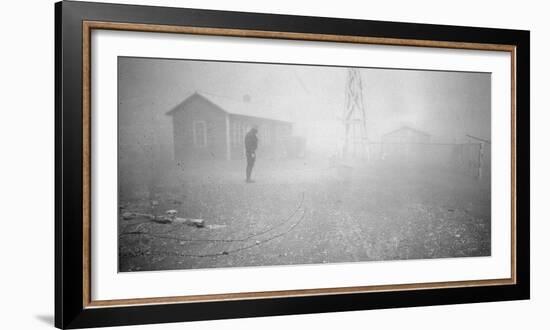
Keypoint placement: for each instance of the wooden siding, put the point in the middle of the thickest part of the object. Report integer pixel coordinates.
(197, 110)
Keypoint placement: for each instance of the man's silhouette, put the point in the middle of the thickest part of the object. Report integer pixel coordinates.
(250, 144)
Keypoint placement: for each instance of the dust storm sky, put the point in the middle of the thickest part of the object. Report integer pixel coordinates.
(447, 105)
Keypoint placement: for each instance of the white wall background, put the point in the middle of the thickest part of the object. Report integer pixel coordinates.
(27, 144)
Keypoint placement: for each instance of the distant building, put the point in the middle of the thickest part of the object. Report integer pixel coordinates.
(406, 134)
(206, 130)
(405, 144)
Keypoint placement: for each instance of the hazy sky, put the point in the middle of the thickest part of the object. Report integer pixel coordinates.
(446, 105)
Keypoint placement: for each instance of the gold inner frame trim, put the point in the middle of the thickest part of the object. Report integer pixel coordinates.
(88, 26)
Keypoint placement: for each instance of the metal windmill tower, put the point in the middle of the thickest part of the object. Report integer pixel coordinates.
(354, 117)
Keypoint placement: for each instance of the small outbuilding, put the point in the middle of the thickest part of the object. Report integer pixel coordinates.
(405, 143)
(406, 134)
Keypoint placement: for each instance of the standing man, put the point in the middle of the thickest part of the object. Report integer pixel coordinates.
(250, 144)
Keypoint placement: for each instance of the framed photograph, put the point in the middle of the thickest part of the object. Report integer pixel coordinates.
(215, 164)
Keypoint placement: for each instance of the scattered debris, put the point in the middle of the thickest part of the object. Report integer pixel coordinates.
(169, 217)
(172, 213)
(162, 219)
(216, 226)
(191, 222)
(128, 215)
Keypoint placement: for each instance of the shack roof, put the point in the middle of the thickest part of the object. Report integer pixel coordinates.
(407, 128)
(231, 106)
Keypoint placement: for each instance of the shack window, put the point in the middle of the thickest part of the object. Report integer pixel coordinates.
(199, 133)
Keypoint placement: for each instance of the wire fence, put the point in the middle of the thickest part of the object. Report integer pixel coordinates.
(470, 159)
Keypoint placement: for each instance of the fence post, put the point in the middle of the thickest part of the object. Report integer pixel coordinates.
(480, 161)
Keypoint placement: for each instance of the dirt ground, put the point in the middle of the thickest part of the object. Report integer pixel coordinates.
(303, 212)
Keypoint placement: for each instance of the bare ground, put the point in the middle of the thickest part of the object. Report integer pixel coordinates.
(303, 212)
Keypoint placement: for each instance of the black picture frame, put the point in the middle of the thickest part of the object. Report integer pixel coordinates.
(70, 177)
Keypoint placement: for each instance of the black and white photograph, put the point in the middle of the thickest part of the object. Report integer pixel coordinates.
(235, 164)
